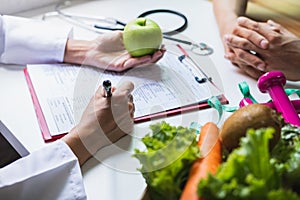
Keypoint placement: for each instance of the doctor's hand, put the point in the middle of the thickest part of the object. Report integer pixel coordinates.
(276, 48)
(107, 51)
(104, 121)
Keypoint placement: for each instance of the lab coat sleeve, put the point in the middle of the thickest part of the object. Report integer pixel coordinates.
(52, 172)
(30, 41)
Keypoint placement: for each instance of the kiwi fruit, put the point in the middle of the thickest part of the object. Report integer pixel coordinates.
(253, 116)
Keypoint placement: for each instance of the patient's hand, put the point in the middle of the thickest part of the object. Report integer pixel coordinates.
(276, 48)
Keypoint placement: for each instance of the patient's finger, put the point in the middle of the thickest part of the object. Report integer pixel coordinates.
(242, 48)
(274, 26)
(262, 28)
(238, 42)
(248, 23)
(254, 73)
(250, 59)
(280, 29)
(253, 36)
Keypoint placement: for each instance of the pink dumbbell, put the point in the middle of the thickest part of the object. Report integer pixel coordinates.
(273, 82)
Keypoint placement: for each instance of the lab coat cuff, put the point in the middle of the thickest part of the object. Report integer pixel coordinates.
(32, 41)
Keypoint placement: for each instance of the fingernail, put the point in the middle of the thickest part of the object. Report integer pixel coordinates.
(226, 38)
(264, 44)
(239, 20)
(261, 67)
(270, 22)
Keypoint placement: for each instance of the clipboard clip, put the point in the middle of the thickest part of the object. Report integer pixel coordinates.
(199, 80)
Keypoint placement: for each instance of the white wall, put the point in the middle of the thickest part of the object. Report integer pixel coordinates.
(15, 6)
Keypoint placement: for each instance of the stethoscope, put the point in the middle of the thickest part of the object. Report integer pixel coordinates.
(100, 23)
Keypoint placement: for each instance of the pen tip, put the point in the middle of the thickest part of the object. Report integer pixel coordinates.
(106, 83)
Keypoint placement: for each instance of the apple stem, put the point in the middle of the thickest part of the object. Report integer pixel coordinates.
(142, 21)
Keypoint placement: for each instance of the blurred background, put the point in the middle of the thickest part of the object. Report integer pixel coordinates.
(13, 7)
(284, 12)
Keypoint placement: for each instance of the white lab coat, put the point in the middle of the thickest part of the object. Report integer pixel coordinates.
(52, 172)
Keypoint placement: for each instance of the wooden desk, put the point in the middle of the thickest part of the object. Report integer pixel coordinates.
(284, 12)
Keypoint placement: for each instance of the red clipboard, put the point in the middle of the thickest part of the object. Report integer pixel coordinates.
(177, 111)
(39, 113)
(48, 137)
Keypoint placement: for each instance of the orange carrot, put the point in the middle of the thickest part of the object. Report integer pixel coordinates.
(210, 148)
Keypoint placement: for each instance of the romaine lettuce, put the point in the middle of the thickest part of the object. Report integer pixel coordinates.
(170, 152)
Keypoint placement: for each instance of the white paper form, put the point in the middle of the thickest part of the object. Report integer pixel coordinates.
(64, 91)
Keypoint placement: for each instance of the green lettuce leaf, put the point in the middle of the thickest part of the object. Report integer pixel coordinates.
(170, 152)
(282, 194)
(248, 173)
(287, 156)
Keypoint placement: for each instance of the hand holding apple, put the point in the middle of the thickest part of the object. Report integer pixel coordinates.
(141, 37)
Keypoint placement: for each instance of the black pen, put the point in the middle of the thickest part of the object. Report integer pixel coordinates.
(107, 87)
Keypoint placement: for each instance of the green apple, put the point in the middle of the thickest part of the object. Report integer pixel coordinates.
(142, 36)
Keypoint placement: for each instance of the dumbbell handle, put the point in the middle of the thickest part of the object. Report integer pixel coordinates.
(272, 83)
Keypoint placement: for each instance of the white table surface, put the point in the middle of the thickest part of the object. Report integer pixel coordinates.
(112, 173)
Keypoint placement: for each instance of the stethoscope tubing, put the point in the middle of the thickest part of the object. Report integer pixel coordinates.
(144, 14)
(172, 32)
(112, 29)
